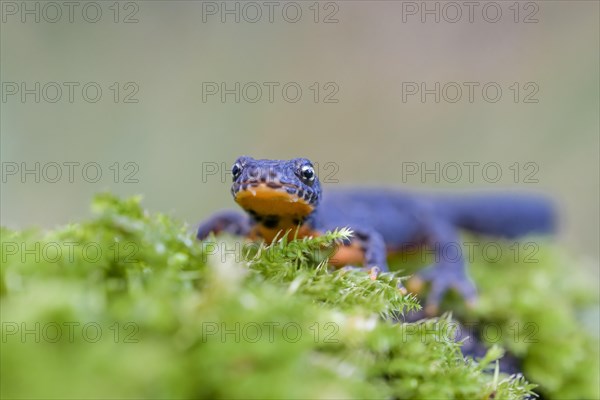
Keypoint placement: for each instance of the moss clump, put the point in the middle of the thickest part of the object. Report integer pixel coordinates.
(541, 313)
(130, 305)
(533, 299)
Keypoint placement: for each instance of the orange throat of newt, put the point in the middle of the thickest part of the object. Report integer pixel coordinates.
(275, 210)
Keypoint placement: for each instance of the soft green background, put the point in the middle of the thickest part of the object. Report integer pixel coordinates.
(367, 134)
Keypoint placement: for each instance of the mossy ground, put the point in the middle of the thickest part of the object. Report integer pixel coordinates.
(130, 305)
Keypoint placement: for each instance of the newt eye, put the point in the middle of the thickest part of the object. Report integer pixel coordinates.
(308, 173)
(236, 170)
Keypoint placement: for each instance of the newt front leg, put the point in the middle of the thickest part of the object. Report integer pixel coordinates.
(367, 247)
(448, 270)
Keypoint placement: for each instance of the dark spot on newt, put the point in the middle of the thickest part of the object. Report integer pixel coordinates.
(271, 221)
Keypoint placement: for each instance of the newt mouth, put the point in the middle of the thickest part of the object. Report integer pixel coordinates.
(273, 198)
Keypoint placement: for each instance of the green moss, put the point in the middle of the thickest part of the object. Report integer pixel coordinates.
(532, 299)
(541, 316)
(146, 311)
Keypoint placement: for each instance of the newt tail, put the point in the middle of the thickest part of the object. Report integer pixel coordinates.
(503, 215)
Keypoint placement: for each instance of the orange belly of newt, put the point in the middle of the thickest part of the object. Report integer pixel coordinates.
(351, 254)
(267, 201)
(269, 234)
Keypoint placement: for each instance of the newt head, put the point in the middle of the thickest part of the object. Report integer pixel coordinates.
(277, 194)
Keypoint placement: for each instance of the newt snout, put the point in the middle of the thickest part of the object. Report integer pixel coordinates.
(277, 195)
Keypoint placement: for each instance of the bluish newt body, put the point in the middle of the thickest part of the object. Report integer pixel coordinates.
(282, 195)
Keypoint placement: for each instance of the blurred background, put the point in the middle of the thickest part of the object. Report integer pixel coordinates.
(161, 97)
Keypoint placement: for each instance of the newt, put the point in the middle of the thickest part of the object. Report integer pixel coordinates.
(284, 195)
